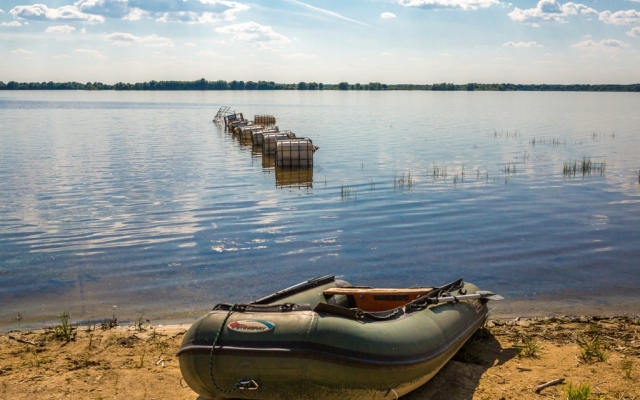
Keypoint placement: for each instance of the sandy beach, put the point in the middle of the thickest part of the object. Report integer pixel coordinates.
(507, 359)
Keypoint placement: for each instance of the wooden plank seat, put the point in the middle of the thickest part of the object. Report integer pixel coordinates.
(376, 299)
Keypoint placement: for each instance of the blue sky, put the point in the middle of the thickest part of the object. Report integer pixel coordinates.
(399, 41)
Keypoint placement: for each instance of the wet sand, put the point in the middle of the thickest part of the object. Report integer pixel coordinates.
(507, 359)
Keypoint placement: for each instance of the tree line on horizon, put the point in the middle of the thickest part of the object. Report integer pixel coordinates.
(202, 84)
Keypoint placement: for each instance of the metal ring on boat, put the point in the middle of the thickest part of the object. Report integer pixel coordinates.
(391, 391)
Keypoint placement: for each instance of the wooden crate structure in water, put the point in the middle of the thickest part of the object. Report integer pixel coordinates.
(246, 132)
(296, 178)
(294, 153)
(258, 136)
(234, 126)
(264, 119)
(269, 141)
(228, 119)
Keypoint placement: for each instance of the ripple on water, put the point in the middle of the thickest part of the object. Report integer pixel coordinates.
(139, 197)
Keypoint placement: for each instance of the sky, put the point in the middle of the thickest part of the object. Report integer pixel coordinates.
(328, 41)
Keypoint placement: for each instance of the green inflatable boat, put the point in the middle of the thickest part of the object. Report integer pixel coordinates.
(326, 339)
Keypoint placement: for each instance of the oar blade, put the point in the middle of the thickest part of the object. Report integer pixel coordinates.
(489, 295)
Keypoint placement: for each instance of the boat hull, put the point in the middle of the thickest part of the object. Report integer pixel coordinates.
(311, 355)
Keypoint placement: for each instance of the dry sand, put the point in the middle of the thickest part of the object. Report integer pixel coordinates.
(127, 363)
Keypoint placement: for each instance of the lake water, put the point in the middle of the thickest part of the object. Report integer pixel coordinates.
(136, 203)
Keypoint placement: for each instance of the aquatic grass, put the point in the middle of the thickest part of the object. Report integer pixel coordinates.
(345, 192)
(528, 348)
(144, 352)
(64, 330)
(578, 392)
(109, 323)
(592, 349)
(507, 135)
(403, 182)
(509, 169)
(140, 321)
(439, 173)
(398, 181)
(557, 142)
(586, 167)
(627, 367)
(156, 339)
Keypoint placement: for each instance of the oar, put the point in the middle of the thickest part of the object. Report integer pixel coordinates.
(480, 294)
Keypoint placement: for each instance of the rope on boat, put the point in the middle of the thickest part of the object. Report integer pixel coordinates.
(215, 340)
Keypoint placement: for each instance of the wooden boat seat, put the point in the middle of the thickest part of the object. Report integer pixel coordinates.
(376, 299)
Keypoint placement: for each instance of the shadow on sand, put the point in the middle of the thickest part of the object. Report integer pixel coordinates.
(458, 380)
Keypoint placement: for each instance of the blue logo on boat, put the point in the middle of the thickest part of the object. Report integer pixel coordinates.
(251, 326)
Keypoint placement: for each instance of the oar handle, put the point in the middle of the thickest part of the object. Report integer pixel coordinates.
(450, 299)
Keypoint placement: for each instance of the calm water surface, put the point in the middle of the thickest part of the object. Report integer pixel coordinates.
(128, 203)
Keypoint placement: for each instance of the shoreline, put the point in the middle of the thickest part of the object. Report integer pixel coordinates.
(506, 359)
(516, 309)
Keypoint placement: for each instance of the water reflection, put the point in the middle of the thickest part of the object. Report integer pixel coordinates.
(268, 161)
(294, 178)
(150, 205)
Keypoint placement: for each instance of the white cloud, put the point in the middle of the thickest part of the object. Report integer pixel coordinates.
(462, 4)
(189, 44)
(1, 10)
(156, 41)
(134, 15)
(83, 30)
(549, 10)
(107, 8)
(384, 53)
(603, 45)
(323, 11)
(387, 15)
(41, 12)
(624, 17)
(192, 11)
(522, 44)
(635, 32)
(23, 51)
(122, 37)
(60, 29)
(126, 39)
(196, 18)
(445, 55)
(299, 56)
(12, 23)
(206, 53)
(62, 56)
(90, 53)
(251, 32)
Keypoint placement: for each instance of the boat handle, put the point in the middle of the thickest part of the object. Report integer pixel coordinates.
(247, 383)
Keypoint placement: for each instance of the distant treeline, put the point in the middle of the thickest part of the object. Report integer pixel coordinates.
(203, 84)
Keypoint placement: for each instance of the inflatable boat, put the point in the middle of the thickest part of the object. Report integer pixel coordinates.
(326, 339)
